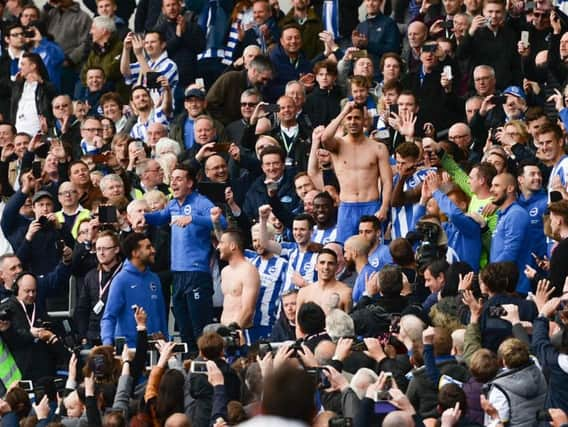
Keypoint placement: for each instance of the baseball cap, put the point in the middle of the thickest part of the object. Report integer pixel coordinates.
(194, 93)
(41, 195)
(515, 91)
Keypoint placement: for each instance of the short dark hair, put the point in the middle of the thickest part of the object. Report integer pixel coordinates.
(442, 341)
(11, 27)
(390, 281)
(272, 149)
(391, 55)
(138, 87)
(159, 33)
(132, 243)
(191, 174)
(551, 127)
(236, 236)
(325, 195)
(288, 392)
(262, 63)
(437, 267)
(328, 252)
(535, 113)
(408, 149)
(523, 164)
(401, 251)
(305, 217)
(449, 395)
(111, 97)
(492, 277)
(372, 219)
(311, 318)
(211, 345)
(291, 26)
(328, 65)
(392, 85)
(487, 171)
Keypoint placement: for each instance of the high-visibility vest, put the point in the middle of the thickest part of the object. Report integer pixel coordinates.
(9, 372)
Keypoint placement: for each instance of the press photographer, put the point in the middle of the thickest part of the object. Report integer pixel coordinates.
(28, 332)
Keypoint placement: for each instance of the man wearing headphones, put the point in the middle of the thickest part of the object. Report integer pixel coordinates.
(36, 348)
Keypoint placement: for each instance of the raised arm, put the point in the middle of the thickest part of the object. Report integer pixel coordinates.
(314, 168)
(328, 139)
(265, 242)
(125, 57)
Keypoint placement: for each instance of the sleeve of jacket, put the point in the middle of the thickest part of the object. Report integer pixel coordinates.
(350, 403)
(464, 223)
(12, 212)
(545, 352)
(140, 16)
(216, 99)
(457, 173)
(430, 363)
(554, 62)
(7, 189)
(52, 282)
(219, 404)
(153, 383)
(77, 54)
(194, 37)
(123, 391)
(472, 341)
(465, 48)
(365, 413)
(93, 414)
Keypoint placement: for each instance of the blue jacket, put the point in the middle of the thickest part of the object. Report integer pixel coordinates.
(554, 362)
(464, 234)
(383, 36)
(512, 241)
(191, 245)
(285, 71)
(359, 287)
(53, 57)
(13, 224)
(536, 206)
(133, 287)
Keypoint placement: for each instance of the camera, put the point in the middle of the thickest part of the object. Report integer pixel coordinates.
(497, 311)
(297, 348)
(231, 338)
(428, 234)
(340, 422)
(5, 314)
(448, 25)
(43, 221)
(319, 377)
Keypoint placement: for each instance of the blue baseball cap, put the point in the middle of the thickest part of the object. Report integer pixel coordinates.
(515, 91)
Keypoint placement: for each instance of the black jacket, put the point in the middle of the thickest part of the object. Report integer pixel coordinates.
(44, 95)
(34, 358)
(322, 106)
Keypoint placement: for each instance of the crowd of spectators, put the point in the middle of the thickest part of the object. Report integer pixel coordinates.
(348, 213)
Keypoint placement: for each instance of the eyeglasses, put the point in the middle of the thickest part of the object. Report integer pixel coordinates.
(154, 170)
(482, 79)
(249, 104)
(17, 35)
(457, 137)
(97, 130)
(61, 106)
(67, 193)
(541, 14)
(103, 249)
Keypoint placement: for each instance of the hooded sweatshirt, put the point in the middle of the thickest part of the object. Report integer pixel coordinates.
(133, 287)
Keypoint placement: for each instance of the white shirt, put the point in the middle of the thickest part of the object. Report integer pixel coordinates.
(27, 117)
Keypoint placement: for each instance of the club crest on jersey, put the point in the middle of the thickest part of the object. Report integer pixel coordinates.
(187, 210)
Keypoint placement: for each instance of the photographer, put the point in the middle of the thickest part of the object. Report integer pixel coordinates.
(44, 237)
(36, 349)
(211, 347)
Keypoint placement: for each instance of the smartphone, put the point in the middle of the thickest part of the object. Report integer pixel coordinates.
(119, 343)
(222, 147)
(340, 422)
(26, 385)
(151, 359)
(39, 392)
(498, 99)
(271, 108)
(43, 221)
(200, 82)
(383, 407)
(139, 144)
(394, 327)
(525, 37)
(497, 311)
(198, 367)
(447, 25)
(393, 108)
(97, 365)
(152, 80)
(388, 381)
(180, 348)
(448, 72)
(59, 385)
(430, 48)
(36, 169)
(29, 34)
(358, 54)
(529, 5)
(107, 214)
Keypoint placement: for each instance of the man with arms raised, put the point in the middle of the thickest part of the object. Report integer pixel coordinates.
(240, 281)
(359, 163)
(327, 292)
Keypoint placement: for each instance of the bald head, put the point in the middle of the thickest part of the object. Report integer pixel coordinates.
(417, 32)
(358, 244)
(398, 419)
(177, 420)
(324, 352)
(460, 134)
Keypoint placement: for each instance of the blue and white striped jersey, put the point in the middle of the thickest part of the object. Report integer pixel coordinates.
(324, 236)
(560, 169)
(140, 130)
(302, 262)
(380, 257)
(402, 217)
(163, 65)
(273, 280)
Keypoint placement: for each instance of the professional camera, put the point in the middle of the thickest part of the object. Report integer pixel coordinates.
(231, 337)
(428, 234)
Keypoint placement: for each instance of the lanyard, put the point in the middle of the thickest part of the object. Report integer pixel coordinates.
(102, 289)
(32, 320)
